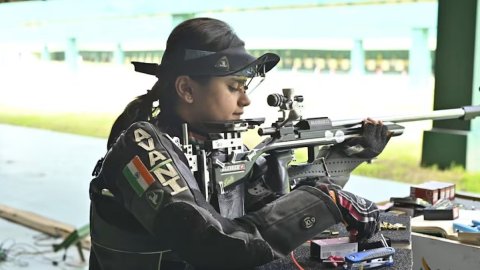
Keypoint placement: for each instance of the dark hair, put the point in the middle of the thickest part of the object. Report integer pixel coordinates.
(204, 34)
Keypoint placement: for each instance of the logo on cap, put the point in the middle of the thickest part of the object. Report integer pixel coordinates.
(222, 64)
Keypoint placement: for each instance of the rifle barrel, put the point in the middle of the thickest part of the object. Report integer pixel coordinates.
(434, 115)
(465, 113)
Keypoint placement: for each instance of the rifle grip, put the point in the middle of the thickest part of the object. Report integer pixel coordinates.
(277, 173)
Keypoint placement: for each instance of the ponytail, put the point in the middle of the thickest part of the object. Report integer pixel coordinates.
(139, 109)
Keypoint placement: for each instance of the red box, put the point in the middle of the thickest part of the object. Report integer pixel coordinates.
(433, 191)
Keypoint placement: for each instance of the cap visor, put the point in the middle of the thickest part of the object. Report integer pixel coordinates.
(259, 66)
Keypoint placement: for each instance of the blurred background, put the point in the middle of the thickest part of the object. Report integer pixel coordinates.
(65, 75)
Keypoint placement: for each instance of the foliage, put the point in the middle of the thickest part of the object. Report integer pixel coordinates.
(97, 125)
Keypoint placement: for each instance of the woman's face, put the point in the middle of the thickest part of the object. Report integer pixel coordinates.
(222, 98)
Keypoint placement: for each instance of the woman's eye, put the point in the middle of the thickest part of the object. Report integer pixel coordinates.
(237, 87)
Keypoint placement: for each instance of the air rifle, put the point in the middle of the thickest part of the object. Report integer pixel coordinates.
(224, 162)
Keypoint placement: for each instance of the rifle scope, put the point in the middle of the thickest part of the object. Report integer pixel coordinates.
(279, 100)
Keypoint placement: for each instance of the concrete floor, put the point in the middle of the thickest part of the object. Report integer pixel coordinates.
(48, 173)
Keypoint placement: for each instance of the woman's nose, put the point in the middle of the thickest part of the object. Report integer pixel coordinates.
(244, 99)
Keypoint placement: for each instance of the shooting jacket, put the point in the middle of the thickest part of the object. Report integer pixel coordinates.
(157, 217)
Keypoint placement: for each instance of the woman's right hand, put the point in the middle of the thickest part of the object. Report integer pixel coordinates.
(360, 215)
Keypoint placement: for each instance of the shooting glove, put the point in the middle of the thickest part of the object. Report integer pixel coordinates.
(375, 137)
(359, 215)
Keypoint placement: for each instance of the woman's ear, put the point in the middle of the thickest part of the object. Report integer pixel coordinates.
(184, 88)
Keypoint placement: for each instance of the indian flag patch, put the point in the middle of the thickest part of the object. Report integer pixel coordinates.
(138, 175)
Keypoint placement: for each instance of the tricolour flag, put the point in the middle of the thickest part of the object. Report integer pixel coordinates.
(138, 175)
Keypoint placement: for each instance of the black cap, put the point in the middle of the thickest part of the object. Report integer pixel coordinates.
(231, 61)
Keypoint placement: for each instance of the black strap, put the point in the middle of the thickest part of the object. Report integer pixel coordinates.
(97, 167)
(96, 186)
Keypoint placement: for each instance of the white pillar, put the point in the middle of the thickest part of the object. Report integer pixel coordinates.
(357, 58)
(420, 63)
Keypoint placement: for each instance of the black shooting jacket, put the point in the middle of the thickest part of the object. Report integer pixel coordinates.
(158, 218)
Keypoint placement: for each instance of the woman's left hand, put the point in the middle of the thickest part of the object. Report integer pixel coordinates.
(373, 139)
